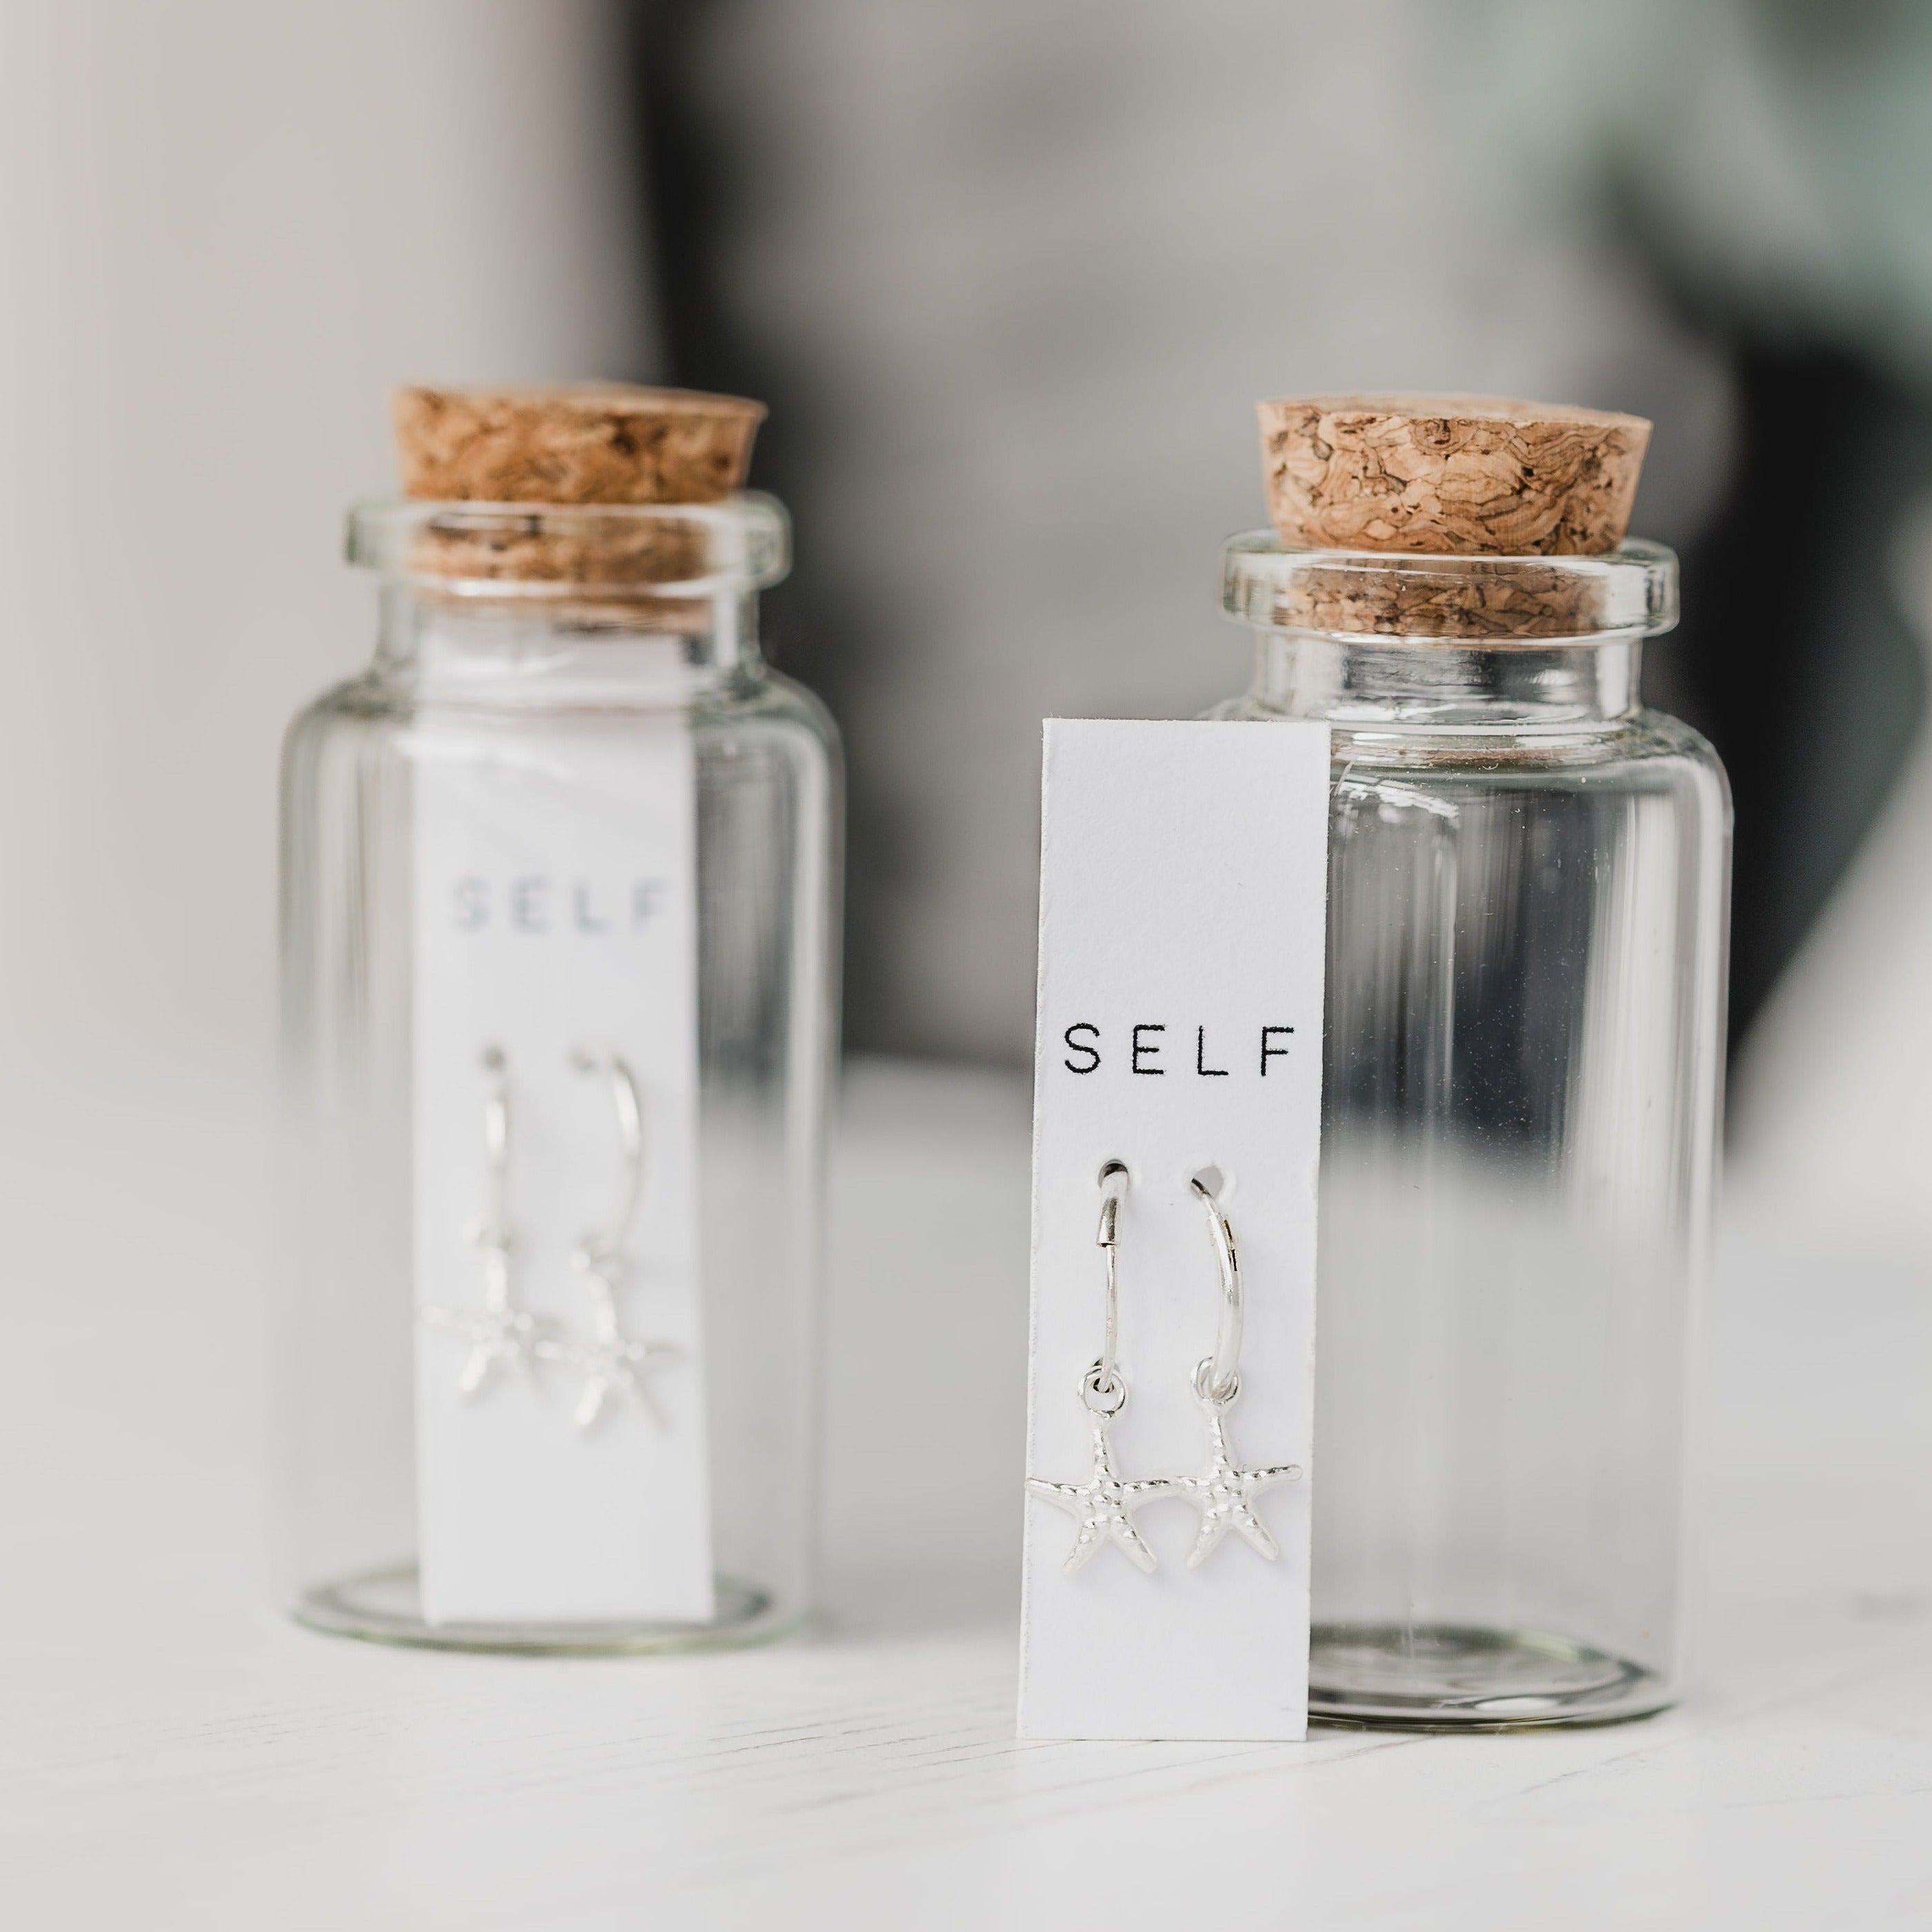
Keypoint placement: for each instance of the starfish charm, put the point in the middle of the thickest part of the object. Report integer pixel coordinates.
(500, 1336)
(1103, 1506)
(1225, 1495)
(611, 1363)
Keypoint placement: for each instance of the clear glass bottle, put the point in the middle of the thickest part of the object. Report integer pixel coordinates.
(1527, 930)
(555, 629)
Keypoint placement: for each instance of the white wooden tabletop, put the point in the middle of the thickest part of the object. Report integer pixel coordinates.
(172, 1753)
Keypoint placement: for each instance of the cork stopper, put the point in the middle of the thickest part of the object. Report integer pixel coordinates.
(1462, 475)
(586, 443)
(582, 448)
(1483, 488)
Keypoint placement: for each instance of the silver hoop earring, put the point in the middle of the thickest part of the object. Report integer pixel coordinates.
(1103, 1506)
(501, 1336)
(1225, 1493)
(612, 1362)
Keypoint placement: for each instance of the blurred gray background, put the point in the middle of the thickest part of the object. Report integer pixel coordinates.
(1014, 276)
(1011, 277)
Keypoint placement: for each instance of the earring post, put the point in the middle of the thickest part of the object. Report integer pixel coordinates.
(629, 1108)
(1105, 1392)
(1222, 1378)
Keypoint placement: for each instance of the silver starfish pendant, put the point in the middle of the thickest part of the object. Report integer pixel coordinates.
(611, 1363)
(1103, 1506)
(1225, 1495)
(501, 1337)
(498, 1339)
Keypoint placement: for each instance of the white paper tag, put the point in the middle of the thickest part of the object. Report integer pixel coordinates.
(1182, 916)
(555, 914)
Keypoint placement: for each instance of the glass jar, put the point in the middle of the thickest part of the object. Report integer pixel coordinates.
(559, 663)
(1527, 929)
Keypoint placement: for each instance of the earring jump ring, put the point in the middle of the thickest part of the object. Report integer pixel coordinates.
(1103, 1391)
(1216, 1395)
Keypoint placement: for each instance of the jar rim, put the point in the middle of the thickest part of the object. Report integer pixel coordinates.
(467, 548)
(1409, 597)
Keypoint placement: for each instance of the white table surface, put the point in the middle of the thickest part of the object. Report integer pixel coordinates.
(172, 1753)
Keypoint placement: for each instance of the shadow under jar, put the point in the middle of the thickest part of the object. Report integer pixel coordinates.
(1527, 928)
(643, 614)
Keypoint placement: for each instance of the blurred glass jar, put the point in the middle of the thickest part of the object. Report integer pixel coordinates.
(1528, 889)
(630, 616)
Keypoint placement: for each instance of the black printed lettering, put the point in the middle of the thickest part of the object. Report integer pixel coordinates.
(587, 920)
(1201, 1056)
(1151, 1051)
(1272, 1052)
(1090, 1048)
(528, 913)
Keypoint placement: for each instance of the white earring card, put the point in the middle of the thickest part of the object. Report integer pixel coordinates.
(1183, 888)
(556, 917)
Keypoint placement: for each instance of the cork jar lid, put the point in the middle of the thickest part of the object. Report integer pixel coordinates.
(1457, 475)
(587, 442)
(602, 490)
(1450, 518)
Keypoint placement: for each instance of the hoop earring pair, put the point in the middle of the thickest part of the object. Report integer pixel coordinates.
(1104, 1506)
(504, 1338)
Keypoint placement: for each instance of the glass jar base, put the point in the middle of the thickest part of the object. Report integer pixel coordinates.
(382, 1606)
(1462, 1677)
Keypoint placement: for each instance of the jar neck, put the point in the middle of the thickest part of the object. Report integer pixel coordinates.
(1372, 682)
(648, 651)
